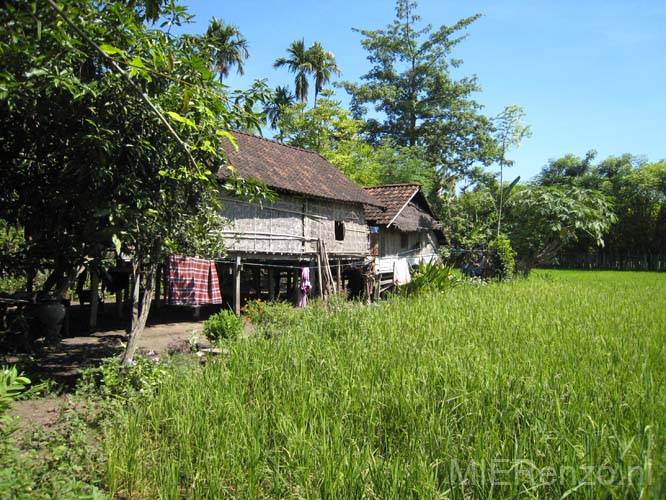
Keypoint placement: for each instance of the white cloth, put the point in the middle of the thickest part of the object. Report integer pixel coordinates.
(401, 274)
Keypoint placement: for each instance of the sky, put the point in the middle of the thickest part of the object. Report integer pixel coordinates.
(590, 74)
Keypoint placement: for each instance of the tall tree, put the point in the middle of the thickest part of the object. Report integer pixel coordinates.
(299, 63)
(228, 47)
(314, 61)
(281, 98)
(418, 101)
(324, 66)
(509, 133)
(110, 131)
(542, 220)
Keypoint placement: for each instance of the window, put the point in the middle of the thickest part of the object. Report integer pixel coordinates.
(404, 240)
(339, 230)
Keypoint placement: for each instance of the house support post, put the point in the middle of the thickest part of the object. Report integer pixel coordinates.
(158, 288)
(319, 276)
(94, 298)
(271, 283)
(339, 274)
(237, 298)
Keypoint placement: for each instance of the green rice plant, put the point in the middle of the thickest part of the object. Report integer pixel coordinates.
(538, 388)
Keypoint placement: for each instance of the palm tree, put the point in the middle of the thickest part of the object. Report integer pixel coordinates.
(282, 97)
(299, 63)
(323, 65)
(227, 45)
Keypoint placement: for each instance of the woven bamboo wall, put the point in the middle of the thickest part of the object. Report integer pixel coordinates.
(291, 225)
(390, 243)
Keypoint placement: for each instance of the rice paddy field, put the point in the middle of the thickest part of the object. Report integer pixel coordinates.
(551, 387)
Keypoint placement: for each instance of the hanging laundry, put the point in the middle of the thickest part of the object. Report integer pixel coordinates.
(192, 281)
(401, 274)
(305, 288)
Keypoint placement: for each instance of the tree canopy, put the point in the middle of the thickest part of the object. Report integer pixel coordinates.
(415, 100)
(112, 133)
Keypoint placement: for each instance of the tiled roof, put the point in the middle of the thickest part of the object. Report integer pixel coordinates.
(393, 196)
(290, 169)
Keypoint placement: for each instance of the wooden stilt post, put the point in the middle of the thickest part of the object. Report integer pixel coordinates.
(119, 304)
(158, 288)
(339, 275)
(319, 276)
(271, 283)
(94, 298)
(237, 298)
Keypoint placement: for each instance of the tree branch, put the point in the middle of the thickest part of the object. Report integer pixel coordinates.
(124, 74)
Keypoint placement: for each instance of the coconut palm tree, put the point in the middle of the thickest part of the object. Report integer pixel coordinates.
(299, 63)
(227, 45)
(282, 97)
(323, 66)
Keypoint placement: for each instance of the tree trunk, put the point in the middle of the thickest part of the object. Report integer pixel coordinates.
(140, 311)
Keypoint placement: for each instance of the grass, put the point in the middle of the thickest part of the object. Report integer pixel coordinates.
(551, 387)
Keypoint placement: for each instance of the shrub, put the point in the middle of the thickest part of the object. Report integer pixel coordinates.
(111, 380)
(223, 325)
(278, 317)
(503, 257)
(431, 277)
(11, 386)
(254, 310)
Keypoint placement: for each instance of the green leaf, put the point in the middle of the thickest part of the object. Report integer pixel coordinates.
(110, 50)
(116, 243)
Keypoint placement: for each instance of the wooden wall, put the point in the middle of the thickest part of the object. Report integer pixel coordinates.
(419, 242)
(291, 225)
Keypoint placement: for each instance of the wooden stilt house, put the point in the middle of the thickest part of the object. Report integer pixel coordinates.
(406, 228)
(318, 220)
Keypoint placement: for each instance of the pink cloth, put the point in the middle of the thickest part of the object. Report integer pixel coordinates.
(305, 288)
(192, 281)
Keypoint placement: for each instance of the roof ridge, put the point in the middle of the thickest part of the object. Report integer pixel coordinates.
(277, 142)
(402, 184)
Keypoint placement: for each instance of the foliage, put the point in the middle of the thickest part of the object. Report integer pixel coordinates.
(11, 245)
(227, 45)
(430, 277)
(11, 386)
(509, 133)
(416, 102)
(421, 397)
(503, 257)
(253, 310)
(140, 378)
(544, 219)
(130, 121)
(223, 325)
(315, 61)
(329, 129)
(62, 461)
(276, 317)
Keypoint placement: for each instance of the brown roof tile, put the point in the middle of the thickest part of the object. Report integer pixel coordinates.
(290, 169)
(392, 196)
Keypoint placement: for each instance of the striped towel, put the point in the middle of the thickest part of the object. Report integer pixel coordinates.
(192, 281)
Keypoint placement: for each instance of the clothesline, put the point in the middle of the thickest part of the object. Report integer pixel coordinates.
(283, 266)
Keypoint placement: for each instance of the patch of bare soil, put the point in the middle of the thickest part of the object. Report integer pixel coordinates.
(37, 412)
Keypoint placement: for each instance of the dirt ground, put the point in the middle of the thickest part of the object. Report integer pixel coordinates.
(63, 362)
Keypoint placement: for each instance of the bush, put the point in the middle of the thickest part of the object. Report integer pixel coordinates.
(503, 258)
(11, 386)
(253, 311)
(112, 380)
(278, 317)
(223, 325)
(431, 277)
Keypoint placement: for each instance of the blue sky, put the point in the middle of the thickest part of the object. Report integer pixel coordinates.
(590, 74)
